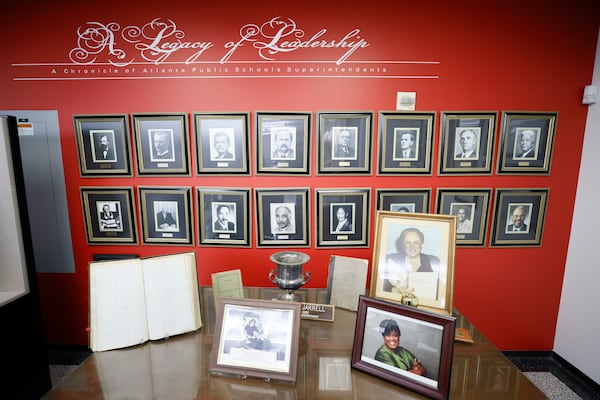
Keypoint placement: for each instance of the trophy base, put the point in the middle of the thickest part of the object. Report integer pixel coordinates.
(289, 296)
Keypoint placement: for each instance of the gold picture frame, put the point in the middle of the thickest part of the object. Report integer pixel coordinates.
(428, 239)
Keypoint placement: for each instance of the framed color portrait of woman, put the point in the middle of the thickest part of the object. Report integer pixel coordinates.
(404, 345)
(414, 253)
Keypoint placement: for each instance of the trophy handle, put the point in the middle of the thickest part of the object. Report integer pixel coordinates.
(306, 278)
(273, 276)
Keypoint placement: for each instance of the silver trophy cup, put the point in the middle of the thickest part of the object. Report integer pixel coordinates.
(289, 275)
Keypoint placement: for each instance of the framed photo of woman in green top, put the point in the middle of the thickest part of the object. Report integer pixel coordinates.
(404, 345)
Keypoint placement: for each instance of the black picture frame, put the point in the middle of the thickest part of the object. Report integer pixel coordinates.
(283, 142)
(282, 217)
(475, 131)
(161, 144)
(235, 202)
(471, 208)
(166, 215)
(117, 224)
(529, 205)
(415, 128)
(222, 143)
(403, 200)
(103, 144)
(344, 142)
(355, 203)
(425, 336)
(521, 129)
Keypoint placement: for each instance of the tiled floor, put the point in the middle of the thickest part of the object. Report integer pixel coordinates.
(526, 361)
(563, 377)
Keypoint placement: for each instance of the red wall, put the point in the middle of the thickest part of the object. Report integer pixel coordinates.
(508, 57)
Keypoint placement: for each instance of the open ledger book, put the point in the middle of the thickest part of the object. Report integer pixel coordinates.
(136, 300)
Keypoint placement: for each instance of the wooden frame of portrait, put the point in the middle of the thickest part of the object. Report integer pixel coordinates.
(93, 133)
(222, 143)
(282, 217)
(472, 126)
(473, 205)
(109, 215)
(403, 200)
(527, 205)
(166, 215)
(233, 228)
(283, 142)
(424, 335)
(392, 272)
(527, 142)
(161, 144)
(413, 128)
(333, 156)
(237, 339)
(355, 202)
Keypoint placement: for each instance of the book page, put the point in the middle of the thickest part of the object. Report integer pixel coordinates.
(117, 304)
(172, 302)
(348, 281)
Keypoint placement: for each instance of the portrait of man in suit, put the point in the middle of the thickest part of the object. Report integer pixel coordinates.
(282, 218)
(166, 215)
(404, 144)
(519, 214)
(103, 144)
(283, 143)
(342, 217)
(526, 143)
(464, 220)
(223, 216)
(344, 143)
(221, 149)
(466, 146)
(402, 207)
(161, 145)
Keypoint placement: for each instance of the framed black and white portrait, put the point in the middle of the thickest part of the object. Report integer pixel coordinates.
(223, 216)
(344, 142)
(161, 144)
(403, 200)
(103, 145)
(166, 215)
(109, 215)
(527, 142)
(283, 142)
(467, 142)
(405, 142)
(519, 217)
(471, 208)
(282, 217)
(342, 217)
(222, 143)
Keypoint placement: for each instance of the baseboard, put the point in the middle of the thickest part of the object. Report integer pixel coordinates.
(558, 366)
(67, 355)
